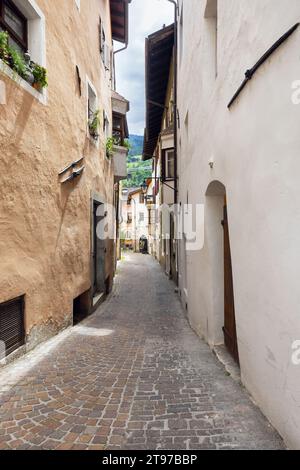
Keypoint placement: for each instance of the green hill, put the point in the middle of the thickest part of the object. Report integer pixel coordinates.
(138, 170)
(136, 145)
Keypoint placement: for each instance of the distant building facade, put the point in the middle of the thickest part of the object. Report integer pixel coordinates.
(134, 228)
(159, 145)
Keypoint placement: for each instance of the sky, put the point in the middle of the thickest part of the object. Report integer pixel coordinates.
(145, 17)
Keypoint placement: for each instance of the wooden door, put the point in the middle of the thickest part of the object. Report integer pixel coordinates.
(98, 255)
(230, 335)
(173, 272)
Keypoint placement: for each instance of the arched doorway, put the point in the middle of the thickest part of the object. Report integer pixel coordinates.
(224, 309)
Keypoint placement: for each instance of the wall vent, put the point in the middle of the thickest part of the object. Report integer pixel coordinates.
(12, 331)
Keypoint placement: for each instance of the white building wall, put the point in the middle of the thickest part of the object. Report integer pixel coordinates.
(255, 149)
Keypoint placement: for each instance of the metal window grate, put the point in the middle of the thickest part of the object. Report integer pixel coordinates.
(12, 331)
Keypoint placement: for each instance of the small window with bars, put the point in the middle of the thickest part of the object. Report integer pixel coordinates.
(12, 331)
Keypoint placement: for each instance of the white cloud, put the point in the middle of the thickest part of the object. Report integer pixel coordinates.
(145, 17)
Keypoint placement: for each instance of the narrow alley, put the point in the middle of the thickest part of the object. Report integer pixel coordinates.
(132, 376)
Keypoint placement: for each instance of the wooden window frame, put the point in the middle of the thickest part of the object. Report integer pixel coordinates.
(117, 130)
(164, 164)
(23, 43)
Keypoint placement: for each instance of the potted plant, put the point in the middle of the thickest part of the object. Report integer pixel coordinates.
(94, 123)
(34, 74)
(127, 145)
(40, 77)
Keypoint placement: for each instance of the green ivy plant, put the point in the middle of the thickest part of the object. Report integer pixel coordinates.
(110, 142)
(4, 47)
(17, 63)
(94, 123)
(127, 144)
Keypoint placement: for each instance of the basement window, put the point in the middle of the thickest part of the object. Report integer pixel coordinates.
(12, 331)
(81, 307)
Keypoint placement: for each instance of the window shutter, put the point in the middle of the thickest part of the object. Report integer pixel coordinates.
(107, 57)
(100, 36)
(12, 324)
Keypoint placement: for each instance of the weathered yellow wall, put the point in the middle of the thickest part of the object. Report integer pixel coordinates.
(45, 227)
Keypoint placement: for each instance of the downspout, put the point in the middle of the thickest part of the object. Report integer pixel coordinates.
(175, 98)
(176, 7)
(126, 43)
(122, 49)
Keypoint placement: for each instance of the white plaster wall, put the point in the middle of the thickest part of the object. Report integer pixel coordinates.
(255, 148)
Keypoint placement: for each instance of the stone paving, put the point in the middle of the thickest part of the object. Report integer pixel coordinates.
(132, 376)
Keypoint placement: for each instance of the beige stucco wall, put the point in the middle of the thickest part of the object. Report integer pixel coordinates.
(255, 149)
(45, 227)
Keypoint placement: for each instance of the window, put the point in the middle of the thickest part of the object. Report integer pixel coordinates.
(104, 47)
(142, 198)
(102, 39)
(129, 217)
(105, 123)
(141, 217)
(169, 165)
(118, 129)
(92, 102)
(26, 26)
(15, 23)
(92, 111)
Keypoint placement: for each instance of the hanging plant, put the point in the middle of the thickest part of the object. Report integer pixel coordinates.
(33, 73)
(127, 144)
(94, 123)
(4, 47)
(110, 142)
(17, 63)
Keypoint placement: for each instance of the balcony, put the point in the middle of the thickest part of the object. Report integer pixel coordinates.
(120, 107)
(119, 155)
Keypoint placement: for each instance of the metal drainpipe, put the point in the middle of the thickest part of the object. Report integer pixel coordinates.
(117, 52)
(175, 97)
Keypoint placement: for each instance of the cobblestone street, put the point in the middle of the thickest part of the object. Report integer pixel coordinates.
(132, 376)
